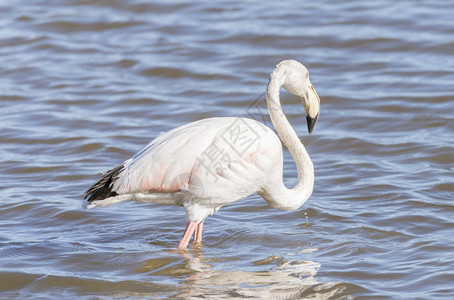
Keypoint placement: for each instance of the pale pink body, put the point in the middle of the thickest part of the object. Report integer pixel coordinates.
(213, 162)
(212, 169)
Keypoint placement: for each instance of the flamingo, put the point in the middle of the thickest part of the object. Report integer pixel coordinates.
(209, 163)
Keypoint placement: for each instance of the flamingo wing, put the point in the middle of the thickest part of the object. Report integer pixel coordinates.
(218, 160)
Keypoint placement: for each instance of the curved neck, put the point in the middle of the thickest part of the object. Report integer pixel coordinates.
(276, 193)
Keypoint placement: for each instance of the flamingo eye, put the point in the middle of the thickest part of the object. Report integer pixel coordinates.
(307, 74)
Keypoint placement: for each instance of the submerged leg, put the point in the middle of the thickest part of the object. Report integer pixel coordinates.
(190, 228)
(198, 233)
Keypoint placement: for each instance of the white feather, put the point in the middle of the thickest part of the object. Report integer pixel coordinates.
(213, 162)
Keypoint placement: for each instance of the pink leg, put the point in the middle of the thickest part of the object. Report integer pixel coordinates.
(198, 233)
(190, 228)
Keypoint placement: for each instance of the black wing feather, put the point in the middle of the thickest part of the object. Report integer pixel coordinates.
(103, 188)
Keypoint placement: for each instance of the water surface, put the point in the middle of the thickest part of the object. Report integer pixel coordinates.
(86, 84)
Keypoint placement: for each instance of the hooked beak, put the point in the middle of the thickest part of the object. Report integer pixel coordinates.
(312, 108)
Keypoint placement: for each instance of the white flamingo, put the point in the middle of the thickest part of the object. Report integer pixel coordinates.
(213, 162)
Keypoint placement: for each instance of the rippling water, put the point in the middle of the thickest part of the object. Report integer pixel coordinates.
(85, 84)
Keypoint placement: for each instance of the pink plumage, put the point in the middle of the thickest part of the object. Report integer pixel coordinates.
(213, 162)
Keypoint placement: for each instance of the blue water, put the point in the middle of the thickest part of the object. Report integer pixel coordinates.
(86, 84)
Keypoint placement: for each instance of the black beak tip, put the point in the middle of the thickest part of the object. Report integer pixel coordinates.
(311, 123)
